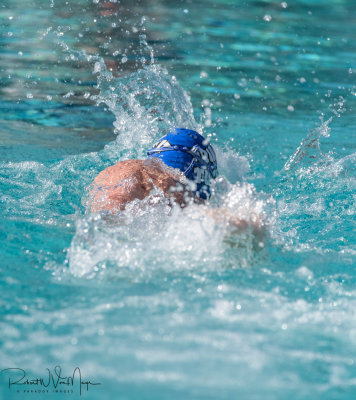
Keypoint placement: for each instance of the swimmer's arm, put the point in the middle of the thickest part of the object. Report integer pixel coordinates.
(237, 224)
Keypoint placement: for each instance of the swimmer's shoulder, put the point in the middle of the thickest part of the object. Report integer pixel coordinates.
(118, 185)
(120, 170)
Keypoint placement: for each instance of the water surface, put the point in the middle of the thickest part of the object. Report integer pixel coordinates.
(158, 304)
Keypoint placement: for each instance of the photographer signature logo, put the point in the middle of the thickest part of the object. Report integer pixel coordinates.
(53, 380)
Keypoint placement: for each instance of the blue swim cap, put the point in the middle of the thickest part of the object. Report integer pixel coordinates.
(191, 153)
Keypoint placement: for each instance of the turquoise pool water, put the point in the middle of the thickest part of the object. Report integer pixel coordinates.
(175, 307)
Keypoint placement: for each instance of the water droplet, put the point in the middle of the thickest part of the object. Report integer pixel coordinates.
(69, 94)
(97, 68)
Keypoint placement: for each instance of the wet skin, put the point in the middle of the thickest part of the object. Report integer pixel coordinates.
(118, 185)
(128, 180)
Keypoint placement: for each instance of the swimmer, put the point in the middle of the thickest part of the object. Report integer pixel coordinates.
(181, 164)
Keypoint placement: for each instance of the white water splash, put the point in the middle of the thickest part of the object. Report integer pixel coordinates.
(317, 195)
(309, 149)
(150, 236)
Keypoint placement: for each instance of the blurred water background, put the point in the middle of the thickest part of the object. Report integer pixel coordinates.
(158, 306)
